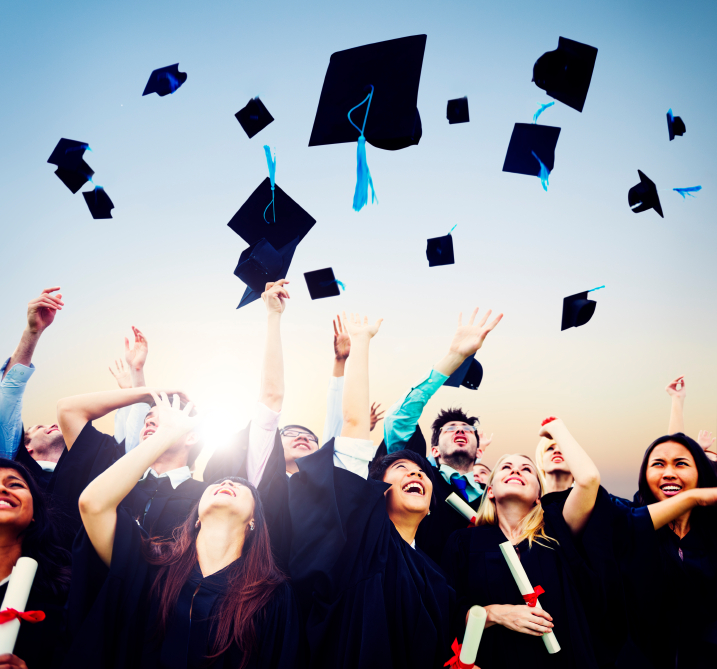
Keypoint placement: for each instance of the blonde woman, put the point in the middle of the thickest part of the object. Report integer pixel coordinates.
(511, 511)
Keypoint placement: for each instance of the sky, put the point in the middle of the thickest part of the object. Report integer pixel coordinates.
(177, 169)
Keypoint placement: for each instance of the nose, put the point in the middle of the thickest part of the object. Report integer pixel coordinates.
(417, 474)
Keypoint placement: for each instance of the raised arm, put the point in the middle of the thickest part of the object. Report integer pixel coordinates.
(676, 390)
(581, 500)
(667, 510)
(357, 420)
(334, 416)
(401, 419)
(136, 357)
(100, 499)
(272, 372)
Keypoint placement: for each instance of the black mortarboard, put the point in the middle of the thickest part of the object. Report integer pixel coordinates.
(322, 283)
(675, 125)
(165, 80)
(99, 203)
(393, 68)
(565, 74)
(469, 374)
(457, 111)
(439, 251)
(529, 138)
(261, 263)
(577, 310)
(645, 195)
(254, 117)
(72, 170)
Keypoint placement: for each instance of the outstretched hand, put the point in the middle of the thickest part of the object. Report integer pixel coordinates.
(342, 341)
(137, 355)
(121, 374)
(483, 441)
(469, 338)
(676, 388)
(375, 415)
(171, 418)
(705, 439)
(275, 296)
(550, 429)
(42, 310)
(10, 661)
(356, 328)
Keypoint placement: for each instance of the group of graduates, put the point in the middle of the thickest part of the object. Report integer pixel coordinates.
(292, 551)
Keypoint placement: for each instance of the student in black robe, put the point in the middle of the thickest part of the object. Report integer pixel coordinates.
(212, 597)
(28, 529)
(512, 511)
(370, 598)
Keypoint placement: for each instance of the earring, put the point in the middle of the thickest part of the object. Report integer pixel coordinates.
(197, 524)
(429, 513)
(251, 526)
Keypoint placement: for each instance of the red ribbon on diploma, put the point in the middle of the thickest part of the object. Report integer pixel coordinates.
(455, 661)
(28, 616)
(531, 599)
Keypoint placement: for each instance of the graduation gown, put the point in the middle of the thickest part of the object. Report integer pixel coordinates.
(154, 502)
(370, 600)
(40, 644)
(478, 571)
(112, 615)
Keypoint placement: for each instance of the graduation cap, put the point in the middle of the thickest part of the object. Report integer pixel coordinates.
(254, 117)
(675, 125)
(99, 203)
(439, 250)
(577, 309)
(261, 263)
(645, 195)
(322, 283)
(469, 374)
(72, 170)
(457, 111)
(165, 80)
(565, 74)
(531, 150)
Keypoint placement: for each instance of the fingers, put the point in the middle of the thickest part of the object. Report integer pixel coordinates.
(126, 345)
(47, 291)
(495, 322)
(156, 399)
(483, 320)
(460, 319)
(336, 332)
(339, 319)
(542, 613)
(473, 316)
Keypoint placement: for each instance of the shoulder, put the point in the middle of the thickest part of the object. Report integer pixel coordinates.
(91, 437)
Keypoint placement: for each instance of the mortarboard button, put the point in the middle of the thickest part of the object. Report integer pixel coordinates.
(578, 309)
(322, 283)
(439, 251)
(457, 111)
(165, 80)
(99, 203)
(468, 375)
(645, 195)
(532, 150)
(393, 68)
(72, 170)
(675, 125)
(254, 117)
(565, 74)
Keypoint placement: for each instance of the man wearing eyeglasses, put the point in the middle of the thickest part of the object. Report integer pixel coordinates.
(454, 442)
(298, 441)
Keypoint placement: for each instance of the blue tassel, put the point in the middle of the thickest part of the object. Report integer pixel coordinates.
(272, 177)
(544, 173)
(598, 288)
(451, 230)
(541, 110)
(363, 177)
(324, 284)
(688, 191)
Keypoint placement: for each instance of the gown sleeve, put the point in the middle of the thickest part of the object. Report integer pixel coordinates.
(280, 637)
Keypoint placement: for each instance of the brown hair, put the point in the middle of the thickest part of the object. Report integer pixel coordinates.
(252, 580)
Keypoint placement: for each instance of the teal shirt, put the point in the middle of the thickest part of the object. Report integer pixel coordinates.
(401, 419)
(473, 490)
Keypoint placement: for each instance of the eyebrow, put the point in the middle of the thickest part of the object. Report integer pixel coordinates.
(16, 478)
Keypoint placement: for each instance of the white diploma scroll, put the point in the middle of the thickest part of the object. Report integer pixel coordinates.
(521, 580)
(18, 590)
(462, 507)
(472, 637)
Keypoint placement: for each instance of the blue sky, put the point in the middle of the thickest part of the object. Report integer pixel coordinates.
(179, 167)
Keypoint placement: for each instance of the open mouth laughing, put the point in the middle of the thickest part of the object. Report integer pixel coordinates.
(671, 489)
(7, 504)
(225, 491)
(514, 480)
(414, 488)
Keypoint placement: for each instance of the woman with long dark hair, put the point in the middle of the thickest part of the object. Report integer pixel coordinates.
(28, 528)
(210, 597)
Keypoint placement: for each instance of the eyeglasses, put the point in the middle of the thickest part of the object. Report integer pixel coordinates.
(299, 433)
(456, 428)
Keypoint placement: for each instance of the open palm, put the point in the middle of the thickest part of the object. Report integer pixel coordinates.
(469, 338)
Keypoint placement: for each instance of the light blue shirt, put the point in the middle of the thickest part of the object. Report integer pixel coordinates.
(12, 388)
(401, 419)
(473, 490)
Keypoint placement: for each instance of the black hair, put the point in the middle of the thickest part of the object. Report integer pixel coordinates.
(41, 538)
(301, 427)
(448, 416)
(380, 466)
(706, 476)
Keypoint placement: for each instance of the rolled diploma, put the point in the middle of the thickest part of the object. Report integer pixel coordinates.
(18, 590)
(474, 631)
(462, 507)
(521, 580)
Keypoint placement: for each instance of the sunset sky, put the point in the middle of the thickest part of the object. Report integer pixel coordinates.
(177, 169)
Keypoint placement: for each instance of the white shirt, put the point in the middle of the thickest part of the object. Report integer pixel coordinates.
(176, 476)
(46, 466)
(262, 433)
(353, 454)
(334, 410)
(129, 422)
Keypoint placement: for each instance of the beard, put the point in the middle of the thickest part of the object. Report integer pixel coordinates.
(460, 459)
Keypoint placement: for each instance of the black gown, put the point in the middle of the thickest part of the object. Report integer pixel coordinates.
(370, 600)
(112, 616)
(478, 571)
